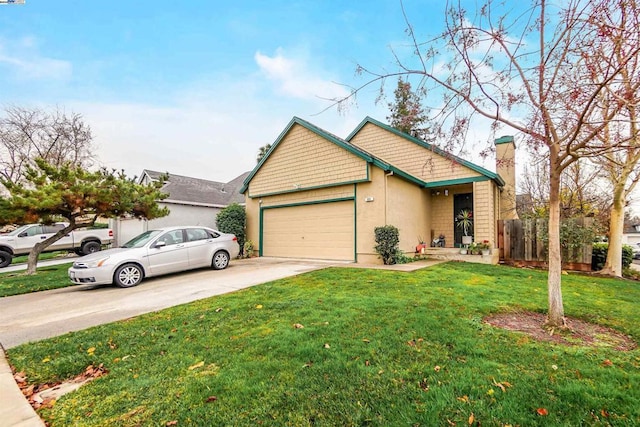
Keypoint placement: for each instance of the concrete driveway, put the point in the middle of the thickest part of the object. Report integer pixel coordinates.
(40, 315)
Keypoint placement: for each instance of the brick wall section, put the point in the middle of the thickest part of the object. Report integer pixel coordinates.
(409, 156)
(303, 159)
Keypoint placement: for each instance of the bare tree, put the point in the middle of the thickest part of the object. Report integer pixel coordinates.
(531, 71)
(620, 163)
(57, 137)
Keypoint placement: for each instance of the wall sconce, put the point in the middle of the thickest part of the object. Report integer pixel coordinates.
(437, 193)
(368, 199)
(446, 192)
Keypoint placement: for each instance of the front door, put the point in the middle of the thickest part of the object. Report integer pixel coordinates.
(462, 208)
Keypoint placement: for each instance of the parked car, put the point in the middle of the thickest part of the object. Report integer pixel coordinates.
(636, 251)
(81, 241)
(156, 252)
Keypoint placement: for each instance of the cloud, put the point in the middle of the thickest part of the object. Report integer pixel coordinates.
(294, 78)
(22, 61)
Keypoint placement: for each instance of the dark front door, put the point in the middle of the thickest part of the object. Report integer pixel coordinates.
(462, 204)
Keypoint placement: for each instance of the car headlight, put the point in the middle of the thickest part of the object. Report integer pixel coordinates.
(97, 263)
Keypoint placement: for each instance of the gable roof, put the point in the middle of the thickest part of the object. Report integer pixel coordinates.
(368, 157)
(482, 171)
(196, 191)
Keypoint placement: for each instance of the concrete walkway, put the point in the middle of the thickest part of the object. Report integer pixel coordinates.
(15, 410)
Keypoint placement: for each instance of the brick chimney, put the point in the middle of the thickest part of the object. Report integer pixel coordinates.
(506, 168)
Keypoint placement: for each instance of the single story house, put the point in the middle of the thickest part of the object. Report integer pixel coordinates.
(631, 235)
(191, 201)
(315, 195)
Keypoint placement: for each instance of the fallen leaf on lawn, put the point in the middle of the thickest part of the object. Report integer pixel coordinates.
(298, 325)
(308, 364)
(436, 368)
(259, 306)
(365, 340)
(196, 366)
(412, 343)
(607, 362)
(172, 423)
(211, 399)
(471, 419)
(366, 363)
(218, 310)
(604, 413)
(20, 377)
(542, 412)
(91, 350)
(554, 367)
(327, 345)
(451, 423)
(45, 360)
(464, 399)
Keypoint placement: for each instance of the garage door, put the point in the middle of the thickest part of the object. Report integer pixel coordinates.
(321, 231)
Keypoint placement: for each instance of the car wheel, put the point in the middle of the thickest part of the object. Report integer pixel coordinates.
(128, 275)
(5, 259)
(220, 260)
(90, 247)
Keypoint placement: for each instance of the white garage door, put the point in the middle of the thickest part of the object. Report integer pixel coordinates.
(320, 231)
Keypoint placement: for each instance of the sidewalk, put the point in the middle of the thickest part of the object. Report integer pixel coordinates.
(15, 411)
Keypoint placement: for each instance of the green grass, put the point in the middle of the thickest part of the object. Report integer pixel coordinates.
(378, 348)
(51, 277)
(44, 256)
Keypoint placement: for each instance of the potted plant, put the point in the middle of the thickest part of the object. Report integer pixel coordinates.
(485, 247)
(474, 248)
(464, 221)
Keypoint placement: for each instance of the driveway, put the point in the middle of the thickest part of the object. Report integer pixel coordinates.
(39, 315)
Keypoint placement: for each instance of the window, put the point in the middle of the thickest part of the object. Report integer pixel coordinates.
(194, 234)
(33, 231)
(53, 228)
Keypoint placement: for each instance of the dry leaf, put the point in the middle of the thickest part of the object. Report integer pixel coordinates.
(365, 340)
(607, 362)
(259, 306)
(298, 326)
(218, 310)
(542, 412)
(471, 419)
(464, 399)
(172, 423)
(436, 368)
(327, 345)
(196, 366)
(211, 399)
(604, 413)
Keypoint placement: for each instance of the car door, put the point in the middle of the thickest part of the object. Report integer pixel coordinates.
(200, 245)
(170, 257)
(28, 238)
(66, 242)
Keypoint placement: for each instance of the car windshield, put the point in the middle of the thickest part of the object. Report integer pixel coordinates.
(18, 230)
(142, 239)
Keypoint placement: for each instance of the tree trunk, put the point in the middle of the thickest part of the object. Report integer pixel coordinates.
(556, 309)
(32, 260)
(613, 265)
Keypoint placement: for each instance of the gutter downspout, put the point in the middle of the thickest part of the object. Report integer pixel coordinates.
(386, 199)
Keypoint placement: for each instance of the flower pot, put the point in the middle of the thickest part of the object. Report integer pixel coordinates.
(486, 252)
(463, 251)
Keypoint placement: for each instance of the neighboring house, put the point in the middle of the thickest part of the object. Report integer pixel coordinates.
(191, 201)
(315, 195)
(631, 235)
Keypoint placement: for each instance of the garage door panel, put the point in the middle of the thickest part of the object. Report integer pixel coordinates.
(324, 231)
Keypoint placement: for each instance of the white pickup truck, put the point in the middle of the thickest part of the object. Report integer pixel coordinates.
(21, 240)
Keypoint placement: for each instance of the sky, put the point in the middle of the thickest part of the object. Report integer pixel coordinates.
(196, 87)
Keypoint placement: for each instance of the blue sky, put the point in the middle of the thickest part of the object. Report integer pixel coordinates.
(196, 87)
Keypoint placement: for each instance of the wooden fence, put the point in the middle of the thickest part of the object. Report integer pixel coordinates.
(524, 242)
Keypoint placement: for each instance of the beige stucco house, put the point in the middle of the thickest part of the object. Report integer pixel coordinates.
(315, 195)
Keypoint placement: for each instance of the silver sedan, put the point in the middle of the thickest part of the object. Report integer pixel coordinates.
(156, 252)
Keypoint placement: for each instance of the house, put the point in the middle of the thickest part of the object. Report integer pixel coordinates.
(631, 235)
(315, 195)
(191, 201)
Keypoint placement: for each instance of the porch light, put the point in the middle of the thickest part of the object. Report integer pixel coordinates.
(446, 192)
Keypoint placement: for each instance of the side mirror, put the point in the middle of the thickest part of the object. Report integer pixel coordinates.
(23, 234)
(160, 244)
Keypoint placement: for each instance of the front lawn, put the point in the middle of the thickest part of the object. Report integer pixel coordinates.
(51, 277)
(352, 347)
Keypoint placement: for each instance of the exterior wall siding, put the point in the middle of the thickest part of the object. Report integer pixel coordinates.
(303, 159)
(408, 210)
(484, 219)
(409, 156)
(370, 215)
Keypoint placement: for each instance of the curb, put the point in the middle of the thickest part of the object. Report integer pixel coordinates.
(15, 411)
